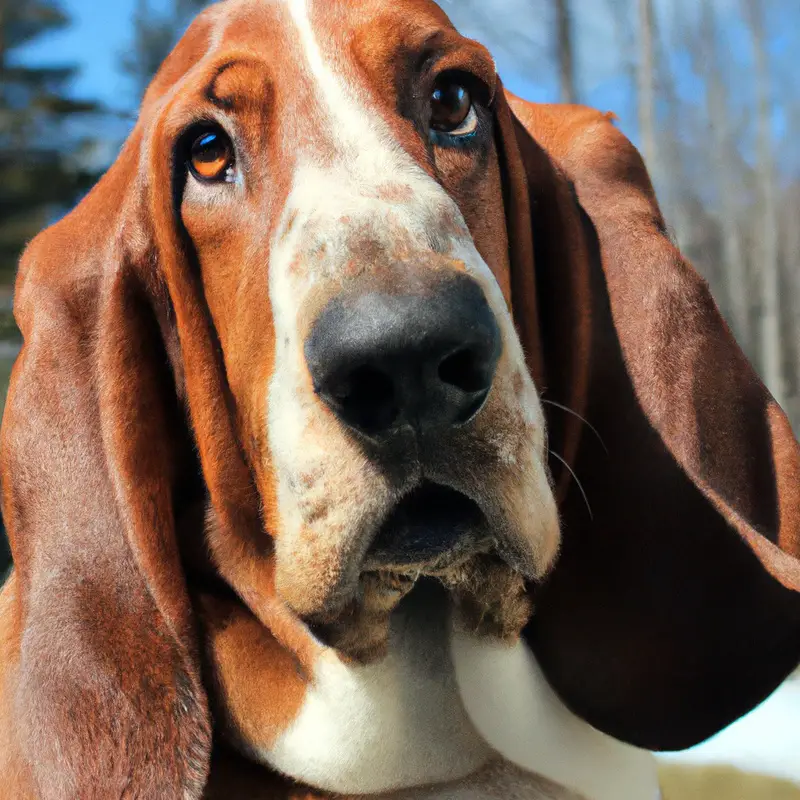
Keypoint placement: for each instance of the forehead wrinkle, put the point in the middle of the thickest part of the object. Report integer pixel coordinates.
(225, 103)
(240, 83)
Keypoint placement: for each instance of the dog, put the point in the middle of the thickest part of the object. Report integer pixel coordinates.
(360, 404)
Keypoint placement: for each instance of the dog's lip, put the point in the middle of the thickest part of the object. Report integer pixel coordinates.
(429, 529)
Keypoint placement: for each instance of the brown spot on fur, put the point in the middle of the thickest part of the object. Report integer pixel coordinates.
(394, 193)
(449, 224)
(352, 268)
(366, 251)
(290, 223)
(320, 250)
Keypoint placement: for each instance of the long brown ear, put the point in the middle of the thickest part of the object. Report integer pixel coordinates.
(675, 605)
(107, 697)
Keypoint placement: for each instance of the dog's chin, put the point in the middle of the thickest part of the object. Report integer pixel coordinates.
(434, 534)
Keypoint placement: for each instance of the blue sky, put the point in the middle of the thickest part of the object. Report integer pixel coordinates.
(100, 32)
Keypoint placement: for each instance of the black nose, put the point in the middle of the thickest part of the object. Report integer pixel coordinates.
(382, 361)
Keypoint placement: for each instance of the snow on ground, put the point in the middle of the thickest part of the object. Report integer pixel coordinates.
(766, 741)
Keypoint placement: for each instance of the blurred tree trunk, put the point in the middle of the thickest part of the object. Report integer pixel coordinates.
(566, 58)
(789, 227)
(767, 239)
(676, 190)
(41, 169)
(3, 15)
(728, 188)
(624, 41)
(646, 79)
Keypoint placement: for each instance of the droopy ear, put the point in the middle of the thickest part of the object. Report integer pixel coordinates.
(675, 605)
(108, 699)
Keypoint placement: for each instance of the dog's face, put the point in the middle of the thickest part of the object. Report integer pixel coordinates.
(342, 194)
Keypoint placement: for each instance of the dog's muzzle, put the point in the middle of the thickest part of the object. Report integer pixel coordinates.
(389, 364)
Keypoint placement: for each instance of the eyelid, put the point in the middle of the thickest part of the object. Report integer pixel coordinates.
(468, 127)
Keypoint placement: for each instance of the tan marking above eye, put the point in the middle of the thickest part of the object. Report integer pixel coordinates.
(211, 155)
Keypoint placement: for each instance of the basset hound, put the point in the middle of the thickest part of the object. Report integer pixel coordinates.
(370, 437)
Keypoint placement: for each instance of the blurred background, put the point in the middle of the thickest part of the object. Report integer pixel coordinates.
(708, 89)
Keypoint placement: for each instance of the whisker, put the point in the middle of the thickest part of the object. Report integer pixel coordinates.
(580, 485)
(578, 416)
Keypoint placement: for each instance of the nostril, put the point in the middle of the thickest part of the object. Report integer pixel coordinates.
(465, 370)
(364, 398)
(423, 360)
(470, 374)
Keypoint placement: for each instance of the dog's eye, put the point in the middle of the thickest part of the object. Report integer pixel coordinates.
(211, 156)
(452, 109)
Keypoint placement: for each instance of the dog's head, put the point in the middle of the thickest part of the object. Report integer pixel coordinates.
(343, 208)
(292, 345)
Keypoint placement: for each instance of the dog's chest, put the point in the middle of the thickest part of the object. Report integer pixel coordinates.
(397, 723)
(438, 708)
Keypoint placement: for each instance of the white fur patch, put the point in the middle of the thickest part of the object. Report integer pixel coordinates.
(396, 724)
(518, 713)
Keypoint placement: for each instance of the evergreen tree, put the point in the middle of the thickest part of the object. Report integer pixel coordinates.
(42, 156)
(154, 35)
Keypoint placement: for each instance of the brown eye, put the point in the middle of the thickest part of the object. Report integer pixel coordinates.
(452, 111)
(211, 156)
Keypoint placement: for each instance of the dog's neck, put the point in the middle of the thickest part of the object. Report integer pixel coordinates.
(439, 707)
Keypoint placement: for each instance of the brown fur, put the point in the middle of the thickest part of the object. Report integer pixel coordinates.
(138, 400)
(677, 579)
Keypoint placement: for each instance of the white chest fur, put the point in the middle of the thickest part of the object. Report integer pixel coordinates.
(395, 724)
(516, 711)
(438, 708)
